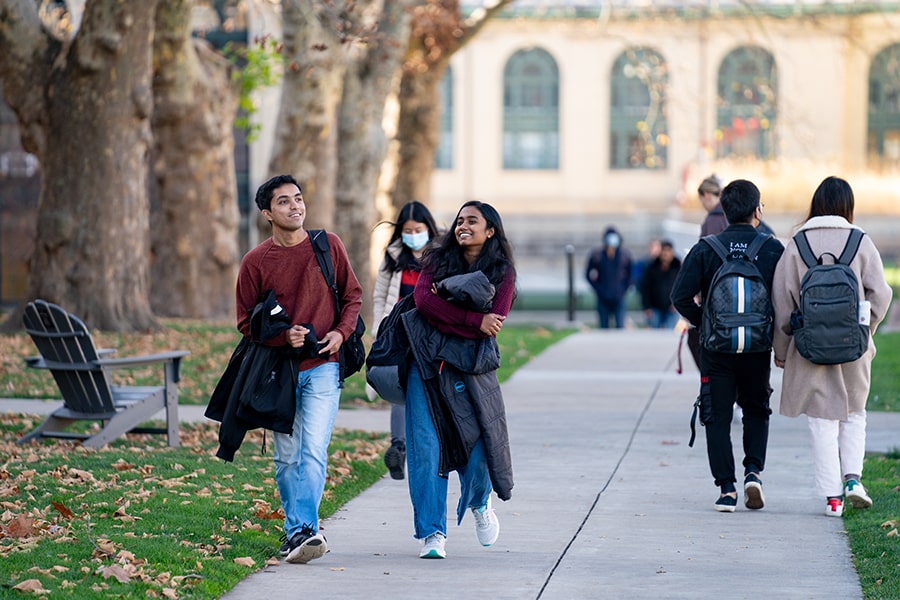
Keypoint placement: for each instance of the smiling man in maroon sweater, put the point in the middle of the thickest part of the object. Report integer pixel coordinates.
(286, 263)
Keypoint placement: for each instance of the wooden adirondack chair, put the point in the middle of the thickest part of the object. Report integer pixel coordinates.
(82, 373)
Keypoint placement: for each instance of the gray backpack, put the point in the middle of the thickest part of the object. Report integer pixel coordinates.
(826, 327)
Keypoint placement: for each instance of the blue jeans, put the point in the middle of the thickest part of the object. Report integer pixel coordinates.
(607, 309)
(427, 489)
(301, 459)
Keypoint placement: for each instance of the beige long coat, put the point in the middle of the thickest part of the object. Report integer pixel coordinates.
(825, 391)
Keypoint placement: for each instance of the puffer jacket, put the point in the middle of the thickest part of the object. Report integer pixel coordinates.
(463, 392)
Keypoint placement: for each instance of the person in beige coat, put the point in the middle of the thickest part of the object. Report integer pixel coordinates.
(833, 397)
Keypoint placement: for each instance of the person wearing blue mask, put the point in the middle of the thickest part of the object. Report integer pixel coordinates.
(609, 273)
(414, 229)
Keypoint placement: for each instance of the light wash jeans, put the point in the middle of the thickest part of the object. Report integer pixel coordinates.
(301, 459)
(427, 489)
(839, 448)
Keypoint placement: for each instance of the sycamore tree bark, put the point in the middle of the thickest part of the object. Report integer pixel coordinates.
(438, 31)
(305, 143)
(84, 105)
(195, 216)
(362, 142)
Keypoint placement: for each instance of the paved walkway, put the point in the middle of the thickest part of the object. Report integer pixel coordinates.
(609, 500)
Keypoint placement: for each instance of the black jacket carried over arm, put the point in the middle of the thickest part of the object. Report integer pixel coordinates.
(258, 387)
(463, 392)
(702, 262)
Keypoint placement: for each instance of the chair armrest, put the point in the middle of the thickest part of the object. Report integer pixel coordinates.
(38, 362)
(140, 361)
(174, 356)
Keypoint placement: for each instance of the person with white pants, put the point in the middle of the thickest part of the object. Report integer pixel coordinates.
(832, 396)
(839, 448)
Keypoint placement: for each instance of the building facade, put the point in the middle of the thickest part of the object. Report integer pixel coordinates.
(570, 118)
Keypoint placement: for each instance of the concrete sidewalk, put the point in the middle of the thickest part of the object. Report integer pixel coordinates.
(609, 500)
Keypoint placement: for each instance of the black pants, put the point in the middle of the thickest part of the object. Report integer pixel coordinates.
(726, 379)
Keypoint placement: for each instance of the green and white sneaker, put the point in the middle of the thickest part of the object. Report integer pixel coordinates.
(434, 546)
(856, 494)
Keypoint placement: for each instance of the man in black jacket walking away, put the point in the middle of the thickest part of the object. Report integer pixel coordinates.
(727, 377)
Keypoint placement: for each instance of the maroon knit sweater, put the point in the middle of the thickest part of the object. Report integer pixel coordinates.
(293, 272)
(451, 318)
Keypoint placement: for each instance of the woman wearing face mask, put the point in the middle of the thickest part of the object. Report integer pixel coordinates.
(609, 273)
(397, 276)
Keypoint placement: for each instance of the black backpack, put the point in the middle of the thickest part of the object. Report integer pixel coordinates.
(826, 327)
(353, 351)
(737, 310)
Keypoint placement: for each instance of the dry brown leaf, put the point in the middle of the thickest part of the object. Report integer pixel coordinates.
(31, 585)
(62, 509)
(892, 533)
(116, 571)
(122, 465)
(170, 593)
(245, 561)
(21, 527)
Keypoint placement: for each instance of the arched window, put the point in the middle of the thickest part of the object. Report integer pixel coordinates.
(638, 136)
(443, 158)
(531, 111)
(746, 103)
(884, 107)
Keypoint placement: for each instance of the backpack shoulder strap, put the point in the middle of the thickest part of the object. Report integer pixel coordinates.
(806, 252)
(716, 245)
(851, 247)
(319, 240)
(757, 244)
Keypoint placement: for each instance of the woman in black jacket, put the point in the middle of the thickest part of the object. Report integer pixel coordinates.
(440, 394)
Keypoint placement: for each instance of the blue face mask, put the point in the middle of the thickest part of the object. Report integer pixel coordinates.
(415, 241)
(613, 240)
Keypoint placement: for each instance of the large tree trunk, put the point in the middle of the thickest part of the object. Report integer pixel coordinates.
(195, 216)
(362, 142)
(438, 31)
(88, 121)
(306, 133)
(418, 133)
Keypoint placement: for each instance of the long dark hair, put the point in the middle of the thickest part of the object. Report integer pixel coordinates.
(411, 211)
(834, 196)
(446, 258)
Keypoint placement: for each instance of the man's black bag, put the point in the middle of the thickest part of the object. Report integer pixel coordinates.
(827, 328)
(353, 351)
(737, 311)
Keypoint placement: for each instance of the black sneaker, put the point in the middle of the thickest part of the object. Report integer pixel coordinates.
(753, 493)
(285, 545)
(395, 459)
(726, 503)
(305, 546)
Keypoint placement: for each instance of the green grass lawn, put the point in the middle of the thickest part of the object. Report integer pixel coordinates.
(875, 533)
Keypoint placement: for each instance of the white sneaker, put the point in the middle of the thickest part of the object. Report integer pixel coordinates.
(434, 546)
(487, 527)
(834, 507)
(856, 494)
